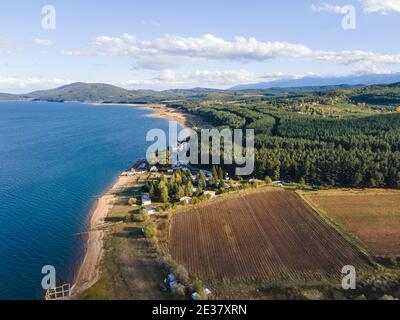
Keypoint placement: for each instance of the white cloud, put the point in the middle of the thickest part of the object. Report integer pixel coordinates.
(329, 8)
(6, 47)
(22, 84)
(167, 51)
(199, 78)
(173, 51)
(381, 6)
(42, 42)
(151, 23)
(79, 53)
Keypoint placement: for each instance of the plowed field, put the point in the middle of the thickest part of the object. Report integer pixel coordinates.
(373, 216)
(263, 234)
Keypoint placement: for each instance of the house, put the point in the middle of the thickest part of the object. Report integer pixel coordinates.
(143, 165)
(134, 172)
(146, 201)
(153, 169)
(186, 200)
(196, 296)
(151, 211)
(208, 174)
(210, 194)
(171, 280)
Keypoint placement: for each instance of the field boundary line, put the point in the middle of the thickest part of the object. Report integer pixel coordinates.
(347, 235)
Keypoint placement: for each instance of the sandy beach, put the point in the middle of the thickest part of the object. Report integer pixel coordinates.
(162, 111)
(89, 270)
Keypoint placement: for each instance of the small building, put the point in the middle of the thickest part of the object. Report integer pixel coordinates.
(196, 295)
(207, 173)
(210, 194)
(134, 172)
(152, 211)
(153, 169)
(146, 201)
(143, 165)
(171, 280)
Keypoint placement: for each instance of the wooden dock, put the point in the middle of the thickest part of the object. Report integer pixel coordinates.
(59, 293)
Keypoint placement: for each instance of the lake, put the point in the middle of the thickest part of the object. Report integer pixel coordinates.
(55, 158)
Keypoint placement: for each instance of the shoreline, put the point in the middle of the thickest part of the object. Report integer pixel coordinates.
(161, 111)
(89, 271)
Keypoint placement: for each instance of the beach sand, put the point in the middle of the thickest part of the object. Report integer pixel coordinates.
(162, 111)
(89, 270)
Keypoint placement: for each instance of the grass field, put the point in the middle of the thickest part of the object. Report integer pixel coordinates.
(262, 234)
(373, 216)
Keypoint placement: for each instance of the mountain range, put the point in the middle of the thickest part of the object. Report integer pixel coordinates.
(100, 92)
(313, 81)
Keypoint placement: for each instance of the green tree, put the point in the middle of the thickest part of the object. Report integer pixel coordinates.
(164, 196)
(277, 174)
(189, 189)
(149, 231)
(201, 181)
(221, 173)
(215, 176)
(180, 193)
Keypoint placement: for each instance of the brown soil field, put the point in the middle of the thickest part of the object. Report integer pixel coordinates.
(373, 216)
(263, 234)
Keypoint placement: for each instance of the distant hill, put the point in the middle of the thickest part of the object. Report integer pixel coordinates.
(369, 79)
(7, 96)
(378, 94)
(384, 94)
(100, 92)
(81, 92)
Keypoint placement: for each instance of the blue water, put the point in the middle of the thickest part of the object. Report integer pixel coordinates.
(54, 159)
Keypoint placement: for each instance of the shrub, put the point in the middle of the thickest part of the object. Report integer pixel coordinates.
(268, 180)
(179, 291)
(149, 231)
(181, 274)
(141, 217)
(132, 201)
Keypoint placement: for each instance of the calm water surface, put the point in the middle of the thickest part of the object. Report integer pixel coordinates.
(54, 159)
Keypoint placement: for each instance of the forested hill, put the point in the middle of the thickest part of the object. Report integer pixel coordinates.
(316, 139)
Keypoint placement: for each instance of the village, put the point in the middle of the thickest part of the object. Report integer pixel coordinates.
(163, 187)
(160, 189)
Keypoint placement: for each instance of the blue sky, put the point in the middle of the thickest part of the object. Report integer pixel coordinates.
(176, 43)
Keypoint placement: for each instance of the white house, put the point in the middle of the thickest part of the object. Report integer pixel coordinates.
(146, 201)
(186, 200)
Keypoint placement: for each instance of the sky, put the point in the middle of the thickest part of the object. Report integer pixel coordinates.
(158, 44)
